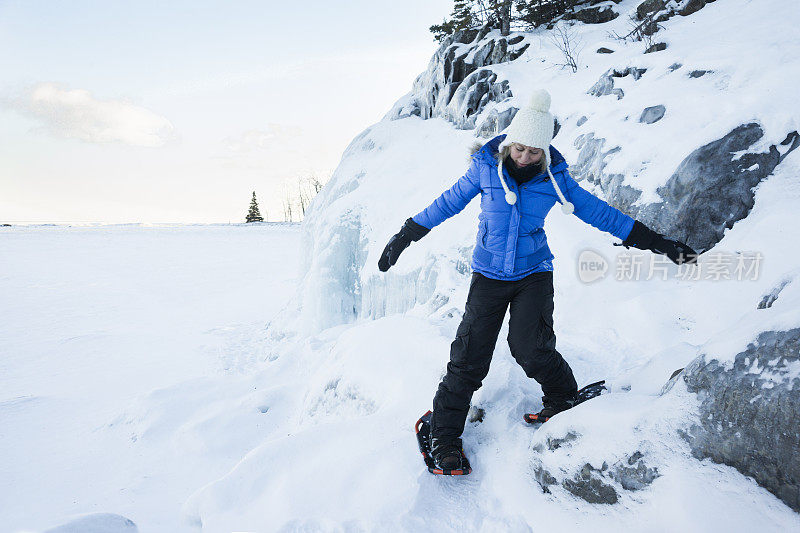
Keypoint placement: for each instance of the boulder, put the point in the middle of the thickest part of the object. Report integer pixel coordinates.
(593, 15)
(652, 114)
(649, 6)
(600, 485)
(749, 412)
(650, 28)
(692, 6)
(661, 10)
(656, 48)
(605, 85)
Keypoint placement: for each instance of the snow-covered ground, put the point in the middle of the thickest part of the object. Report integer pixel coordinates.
(138, 377)
(345, 458)
(138, 380)
(128, 364)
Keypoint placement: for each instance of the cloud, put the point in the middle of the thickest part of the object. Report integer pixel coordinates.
(263, 139)
(76, 114)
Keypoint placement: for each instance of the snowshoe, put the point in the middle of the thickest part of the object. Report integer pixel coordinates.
(553, 408)
(423, 431)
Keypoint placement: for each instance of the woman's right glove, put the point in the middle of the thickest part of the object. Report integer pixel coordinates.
(644, 238)
(411, 231)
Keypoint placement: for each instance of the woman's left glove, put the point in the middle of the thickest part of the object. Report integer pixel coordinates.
(411, 231)
(644, 238)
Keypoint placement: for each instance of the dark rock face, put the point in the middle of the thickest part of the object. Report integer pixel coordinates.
(496, 122)
(605, 85)
(474, 93)
(656, 48)
(590, 165)
(661, 10)
(649, 6)
(650, 28)
(604, 50)
(592, 15)
(698, 73)
(588, 485)
(712, 188)
(464, 36)
(709, 191)
(675, 66)
(635, 475)
(750, 412)
(692, 6)
(457, 84)
(652, 114)
(592, 484)
(554, 443)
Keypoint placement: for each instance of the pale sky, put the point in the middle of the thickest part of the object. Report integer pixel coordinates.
(170, 111)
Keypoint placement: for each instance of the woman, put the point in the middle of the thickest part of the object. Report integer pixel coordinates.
(520, 176)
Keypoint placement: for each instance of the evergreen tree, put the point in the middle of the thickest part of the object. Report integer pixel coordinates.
(538, 12)
(253, 215)
(470, 14)
(465, 15)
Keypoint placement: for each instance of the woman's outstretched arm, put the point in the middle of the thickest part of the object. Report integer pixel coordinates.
(599, 214)
(451, 201)
(595, 211)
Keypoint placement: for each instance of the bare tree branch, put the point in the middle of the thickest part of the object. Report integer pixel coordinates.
(566, 39)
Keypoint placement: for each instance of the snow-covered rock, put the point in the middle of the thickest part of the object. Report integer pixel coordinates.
(458, 83)
(708, 193)
(749, 414)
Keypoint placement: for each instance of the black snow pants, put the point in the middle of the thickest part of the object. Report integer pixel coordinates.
(530, 337)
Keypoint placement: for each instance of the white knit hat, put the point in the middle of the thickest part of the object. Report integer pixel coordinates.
(533, 126)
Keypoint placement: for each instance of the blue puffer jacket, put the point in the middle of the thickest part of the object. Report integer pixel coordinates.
(511, 242)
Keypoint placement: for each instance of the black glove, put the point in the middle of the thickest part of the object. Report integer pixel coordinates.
(644, 238)
(411, 231)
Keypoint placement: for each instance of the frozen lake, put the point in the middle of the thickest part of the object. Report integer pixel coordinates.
(94, 318)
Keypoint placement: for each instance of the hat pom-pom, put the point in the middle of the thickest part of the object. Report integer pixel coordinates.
(540, 100)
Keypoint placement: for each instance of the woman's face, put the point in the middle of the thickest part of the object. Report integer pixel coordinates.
(525, 155)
